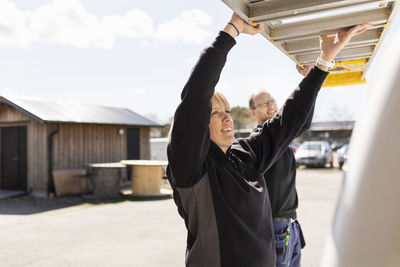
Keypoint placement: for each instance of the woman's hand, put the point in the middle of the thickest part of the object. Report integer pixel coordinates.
(241, 26)
(305, 69)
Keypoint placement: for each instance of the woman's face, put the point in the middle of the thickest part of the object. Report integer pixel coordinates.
(221, 126)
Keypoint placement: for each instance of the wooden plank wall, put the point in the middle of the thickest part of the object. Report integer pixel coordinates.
(144, 142)
(37, 157)
(9, 115)
(79, 144)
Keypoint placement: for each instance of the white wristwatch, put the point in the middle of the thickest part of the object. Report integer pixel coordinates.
(325, 63)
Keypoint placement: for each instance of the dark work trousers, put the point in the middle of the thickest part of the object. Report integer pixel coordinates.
(289, 242)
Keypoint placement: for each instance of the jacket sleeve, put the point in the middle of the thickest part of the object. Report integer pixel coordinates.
(277, 133)
(308, 122)
(190, 138)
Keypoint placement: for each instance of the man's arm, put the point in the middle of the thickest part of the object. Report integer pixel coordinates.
(278, 132)
(305, 71)
(308, 122)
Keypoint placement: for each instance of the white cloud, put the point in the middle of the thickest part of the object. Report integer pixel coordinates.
(13, 29)
(68, 22)
(135, 24)
(187, 28)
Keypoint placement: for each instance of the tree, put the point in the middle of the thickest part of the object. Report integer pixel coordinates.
(241, 117)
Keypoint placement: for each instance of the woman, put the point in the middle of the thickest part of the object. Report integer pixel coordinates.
(218, 184)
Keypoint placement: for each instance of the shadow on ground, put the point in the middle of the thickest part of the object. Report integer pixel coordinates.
(27, 205)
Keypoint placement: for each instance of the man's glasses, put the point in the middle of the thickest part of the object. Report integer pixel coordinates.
(269, 103)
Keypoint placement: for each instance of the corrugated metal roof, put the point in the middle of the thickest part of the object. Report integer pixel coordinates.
(315, 126)
(65, 112)
(332, 125)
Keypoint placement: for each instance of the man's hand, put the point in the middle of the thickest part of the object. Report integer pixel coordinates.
(241, 27)
(332, 44)
(305, 69)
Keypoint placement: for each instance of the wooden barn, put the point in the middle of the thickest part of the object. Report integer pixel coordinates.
(37, 137)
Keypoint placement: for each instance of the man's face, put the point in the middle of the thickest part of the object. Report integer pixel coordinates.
(265, 107)
(221, 126)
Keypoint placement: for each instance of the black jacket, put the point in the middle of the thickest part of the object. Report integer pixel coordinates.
(281, 180)
(223, 197)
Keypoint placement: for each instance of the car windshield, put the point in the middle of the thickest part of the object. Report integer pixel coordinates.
(315, 147)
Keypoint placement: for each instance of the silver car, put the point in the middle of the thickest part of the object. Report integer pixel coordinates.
(314, 153)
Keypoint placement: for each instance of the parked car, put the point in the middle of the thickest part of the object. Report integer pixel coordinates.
(342, 155)
(314, 153)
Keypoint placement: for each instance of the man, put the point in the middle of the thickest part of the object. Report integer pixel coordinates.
(281, 183)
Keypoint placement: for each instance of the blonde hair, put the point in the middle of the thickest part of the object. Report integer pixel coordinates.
(217, 97)
(220, 98)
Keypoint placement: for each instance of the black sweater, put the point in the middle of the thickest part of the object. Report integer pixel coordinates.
(223, 197)
(281, 180)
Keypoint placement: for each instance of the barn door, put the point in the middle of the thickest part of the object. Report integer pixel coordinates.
(13, 158)
(133, 142)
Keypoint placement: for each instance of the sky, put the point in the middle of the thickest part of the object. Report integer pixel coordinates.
(139, 54)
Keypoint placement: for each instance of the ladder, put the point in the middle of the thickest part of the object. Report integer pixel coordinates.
(294, 27)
